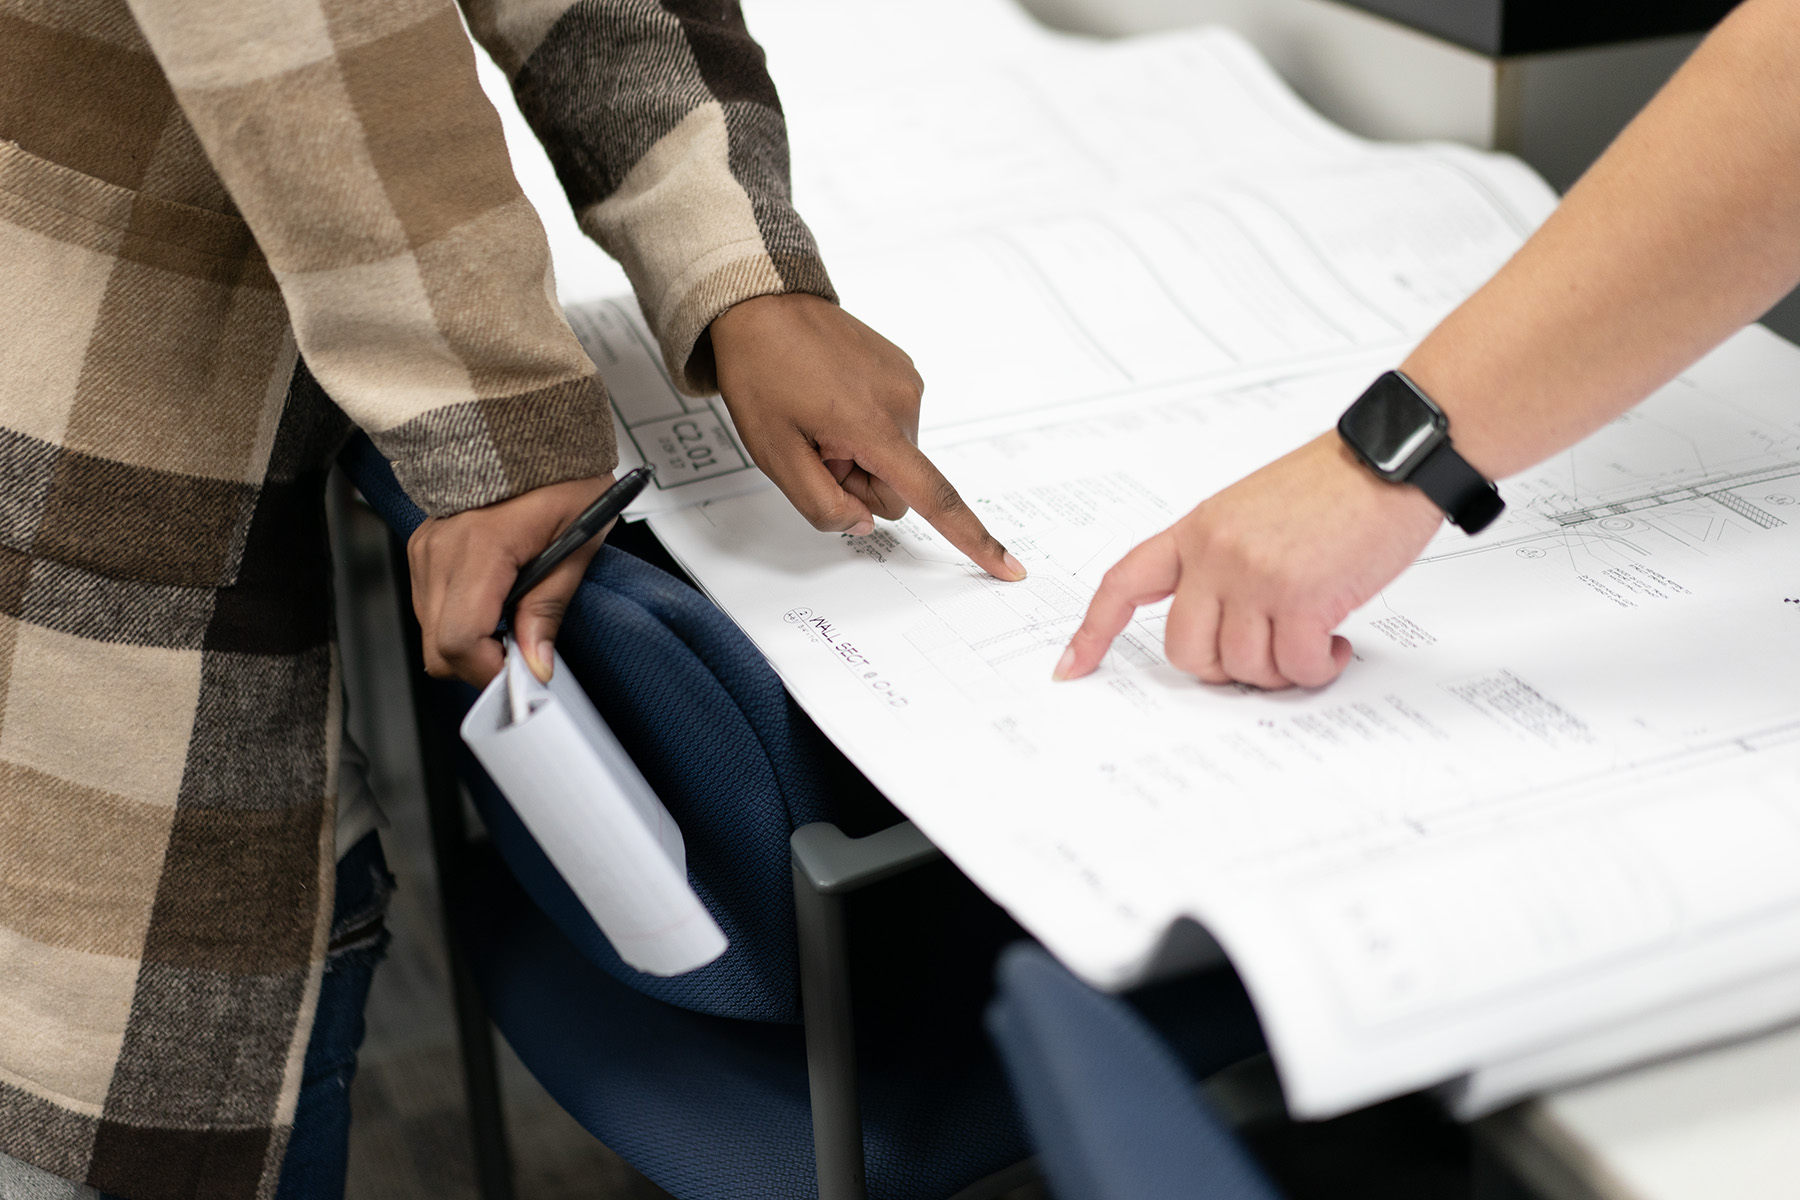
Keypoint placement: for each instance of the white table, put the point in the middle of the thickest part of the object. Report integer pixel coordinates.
(1720, 1124)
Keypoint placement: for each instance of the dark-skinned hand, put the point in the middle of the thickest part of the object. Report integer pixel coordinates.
(463, 566)
(829, 409)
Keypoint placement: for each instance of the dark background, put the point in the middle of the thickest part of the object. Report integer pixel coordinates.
(1503, 27)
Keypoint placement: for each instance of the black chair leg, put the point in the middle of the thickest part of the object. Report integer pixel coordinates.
(481, 1078)
(449, 845)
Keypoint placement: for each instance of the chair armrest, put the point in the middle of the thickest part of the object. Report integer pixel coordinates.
(834, 863)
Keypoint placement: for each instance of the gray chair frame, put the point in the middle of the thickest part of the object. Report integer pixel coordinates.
(827, 867)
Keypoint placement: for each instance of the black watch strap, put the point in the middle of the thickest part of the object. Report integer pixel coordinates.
(1466, 497)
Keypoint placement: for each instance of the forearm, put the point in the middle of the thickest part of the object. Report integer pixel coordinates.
(1688, 227)
(1685, 230)
(669, 139)
(373, 174)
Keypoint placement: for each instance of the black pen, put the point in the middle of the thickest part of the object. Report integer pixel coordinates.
(592, 520)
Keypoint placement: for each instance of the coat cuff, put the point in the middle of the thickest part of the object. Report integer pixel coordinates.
(468, 455)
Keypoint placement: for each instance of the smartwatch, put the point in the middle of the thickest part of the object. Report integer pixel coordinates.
(1404, 437)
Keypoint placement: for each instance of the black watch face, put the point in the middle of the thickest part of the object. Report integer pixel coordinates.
(1393, 426)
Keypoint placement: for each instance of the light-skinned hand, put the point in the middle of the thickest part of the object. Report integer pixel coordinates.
(463, 567)
(829, 409)
(1264, 571)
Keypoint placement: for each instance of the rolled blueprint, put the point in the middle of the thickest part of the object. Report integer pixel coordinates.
(595, 816)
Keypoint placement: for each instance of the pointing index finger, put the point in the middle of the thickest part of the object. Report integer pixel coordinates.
(917, 481)
(1145, 575)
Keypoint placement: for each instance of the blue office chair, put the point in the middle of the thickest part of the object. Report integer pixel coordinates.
(1112, 1109)
(704, 1082)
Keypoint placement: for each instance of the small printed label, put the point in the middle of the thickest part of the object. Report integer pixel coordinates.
(1514, 703)
(1403, 631)
(688, 448)
(1610, 593)
(826, 633)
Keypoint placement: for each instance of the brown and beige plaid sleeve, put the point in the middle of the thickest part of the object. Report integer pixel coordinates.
(666, 131)
(359, 149)
(192, 194)
(169, 691)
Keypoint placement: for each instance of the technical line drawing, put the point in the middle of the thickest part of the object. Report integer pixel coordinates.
(1720, 489)
(1671, 507)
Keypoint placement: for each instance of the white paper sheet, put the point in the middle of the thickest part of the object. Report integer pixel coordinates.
(593, 814)
(1216, 283)
(1557, 789)
(1739, 1008)
(690, 440)
(1213, 286)
(1555, 793)
(1007, 321)
(1040, 219)
(952, 124)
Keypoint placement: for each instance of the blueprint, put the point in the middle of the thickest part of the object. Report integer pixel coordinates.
(1039, 220)
(943, 131)
(1553, 797)
(1558, 787)
(1219, 284)
(690, 440)
(1096, 237)
(1219, 281)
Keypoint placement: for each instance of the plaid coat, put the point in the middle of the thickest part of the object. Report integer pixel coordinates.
(193, 194)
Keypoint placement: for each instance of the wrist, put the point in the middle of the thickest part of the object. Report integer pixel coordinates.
(746, 316)
(1389, 501)
(1401, 436)
(1469, 401)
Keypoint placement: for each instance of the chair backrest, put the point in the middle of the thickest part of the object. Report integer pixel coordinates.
(1112, 1112)
(714, 732)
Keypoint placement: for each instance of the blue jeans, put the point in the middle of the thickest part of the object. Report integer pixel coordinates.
(318, 1153)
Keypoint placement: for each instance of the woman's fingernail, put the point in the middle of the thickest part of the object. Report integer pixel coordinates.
(543, 661)
(1064, 665)
(1014, 565)
(863, 528)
